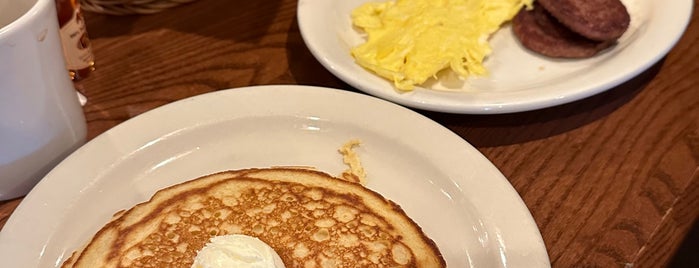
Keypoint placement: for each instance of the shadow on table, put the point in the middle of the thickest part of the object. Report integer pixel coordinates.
(304, 67)
(242, 20)
(504, 129)
(686, 255)
(245, 22)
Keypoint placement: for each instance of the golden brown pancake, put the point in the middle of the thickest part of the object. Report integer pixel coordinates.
(310, 218)
(124, 219)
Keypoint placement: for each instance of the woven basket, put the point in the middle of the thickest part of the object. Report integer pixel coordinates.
(129, 7)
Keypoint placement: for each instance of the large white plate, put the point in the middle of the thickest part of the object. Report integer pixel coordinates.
(519, 80)
(460, 199)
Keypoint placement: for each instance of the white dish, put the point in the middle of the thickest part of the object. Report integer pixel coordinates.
(519, 80)
(481, 220)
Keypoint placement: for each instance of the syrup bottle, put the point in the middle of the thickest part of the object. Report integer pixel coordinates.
(77, 49)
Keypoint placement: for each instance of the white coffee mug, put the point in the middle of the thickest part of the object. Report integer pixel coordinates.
(41, 120)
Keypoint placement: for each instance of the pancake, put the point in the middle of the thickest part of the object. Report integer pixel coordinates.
(310, 218)
(124, 219)
(538, 31)
(601, 20)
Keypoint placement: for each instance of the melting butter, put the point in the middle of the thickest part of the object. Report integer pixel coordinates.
(237, 250)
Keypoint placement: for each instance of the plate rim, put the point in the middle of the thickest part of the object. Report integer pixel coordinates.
(678, 13)
(38, 199)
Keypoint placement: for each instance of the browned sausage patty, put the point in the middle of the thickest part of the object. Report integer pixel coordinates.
(539, 31)
(600, 20)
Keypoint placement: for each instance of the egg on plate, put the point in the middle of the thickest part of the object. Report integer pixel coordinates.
(409, 41)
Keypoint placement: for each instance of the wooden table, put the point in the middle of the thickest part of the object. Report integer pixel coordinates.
(612, 180)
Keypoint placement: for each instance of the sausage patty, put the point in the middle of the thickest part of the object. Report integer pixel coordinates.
(600, 20)
(537, 30)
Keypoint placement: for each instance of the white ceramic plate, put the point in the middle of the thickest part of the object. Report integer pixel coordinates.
(460, 199)
(519, 80)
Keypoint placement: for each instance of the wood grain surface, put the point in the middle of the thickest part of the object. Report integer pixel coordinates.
(611, 180)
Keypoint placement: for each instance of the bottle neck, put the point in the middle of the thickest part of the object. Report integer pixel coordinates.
(66, 10)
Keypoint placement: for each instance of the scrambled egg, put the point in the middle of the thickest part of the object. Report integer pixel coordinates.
(409, 41)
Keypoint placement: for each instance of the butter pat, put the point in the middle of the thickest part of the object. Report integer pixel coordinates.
(237, 251)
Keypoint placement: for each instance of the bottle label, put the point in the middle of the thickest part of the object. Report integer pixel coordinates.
(76, 44)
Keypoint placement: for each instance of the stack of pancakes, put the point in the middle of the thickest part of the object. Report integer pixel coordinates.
(571, 28)
(311, 219)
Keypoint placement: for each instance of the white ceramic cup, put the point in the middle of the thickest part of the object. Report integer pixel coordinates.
(41, 120)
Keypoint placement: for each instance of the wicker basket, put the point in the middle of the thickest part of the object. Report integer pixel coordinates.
(129, 7)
